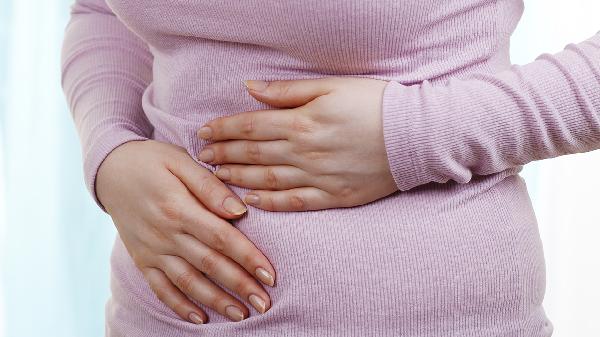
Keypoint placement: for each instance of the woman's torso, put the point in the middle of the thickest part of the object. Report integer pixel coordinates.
(438, 260)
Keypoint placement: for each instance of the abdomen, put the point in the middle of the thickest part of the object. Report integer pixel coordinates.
(447, 259)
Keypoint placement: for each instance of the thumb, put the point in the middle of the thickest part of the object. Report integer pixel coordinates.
(288, 93)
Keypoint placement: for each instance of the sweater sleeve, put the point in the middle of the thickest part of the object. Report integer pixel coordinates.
(105, 69)
(486, 123)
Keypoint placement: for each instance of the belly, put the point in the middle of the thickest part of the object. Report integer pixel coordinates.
(464, 259)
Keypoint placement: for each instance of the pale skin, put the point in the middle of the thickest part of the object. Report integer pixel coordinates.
(320, 147)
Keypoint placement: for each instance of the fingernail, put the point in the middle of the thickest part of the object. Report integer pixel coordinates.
(195, 318)
(205, 132)
(206, 155)
(233, 206)
(252, 199)
(264, 276)
(258, 303)
(234, 313)
(256, 85)
(223, 173)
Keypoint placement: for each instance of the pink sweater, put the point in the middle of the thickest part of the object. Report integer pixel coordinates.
(455, 253)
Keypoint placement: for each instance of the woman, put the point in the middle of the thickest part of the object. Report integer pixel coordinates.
(378, 143)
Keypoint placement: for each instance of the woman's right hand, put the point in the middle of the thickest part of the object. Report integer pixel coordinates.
(170, 213)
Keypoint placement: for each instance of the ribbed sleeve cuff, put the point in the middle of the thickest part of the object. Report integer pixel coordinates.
(436, 133)
(397, 126)
(96, 152)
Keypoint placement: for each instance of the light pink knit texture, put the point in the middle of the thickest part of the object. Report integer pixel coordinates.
(456, 253)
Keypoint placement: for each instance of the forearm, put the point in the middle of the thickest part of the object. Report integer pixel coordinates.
(105, 69)
(485, 124)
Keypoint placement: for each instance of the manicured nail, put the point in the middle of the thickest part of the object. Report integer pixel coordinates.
(205, 132)
(195, 318)
(258, 303)
(264, 276)
(234, 313)
(256, 85)
(223, 173)
(252, 199)
(233, 206)
(206, 155)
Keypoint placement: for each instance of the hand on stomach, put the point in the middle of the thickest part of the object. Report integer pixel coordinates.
(171, 216)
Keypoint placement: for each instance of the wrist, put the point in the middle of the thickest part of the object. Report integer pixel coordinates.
(112, 166)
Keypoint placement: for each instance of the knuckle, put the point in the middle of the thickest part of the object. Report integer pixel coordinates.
(302, 125)
(247, 127)
(179, 307)
(208, 264)
(218, 241)
(327, 167)
(269, 202)
(271, 179)
(346, 192)
(139, 257)
(158, 238)
(158, 291)
(147, 273)
(346, 196)
(217, 127)
(185, 281)
(169, 208)
(238, 175)
(296, 202)
(314, 155)
(207, 186)
(309, 147)
(175, 162)
(253, 151)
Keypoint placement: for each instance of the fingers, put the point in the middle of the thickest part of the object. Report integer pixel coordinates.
(292, 200)
(222, 269)
(251, 125)
(173, 297)
(277, 152)
(207, 188)
(264, 177)
(195, 285)
(290, 93)
(222, 237)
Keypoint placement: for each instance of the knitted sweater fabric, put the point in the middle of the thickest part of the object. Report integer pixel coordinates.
(455, 252)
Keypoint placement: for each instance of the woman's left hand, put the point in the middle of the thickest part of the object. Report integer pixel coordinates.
(322, 148)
